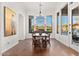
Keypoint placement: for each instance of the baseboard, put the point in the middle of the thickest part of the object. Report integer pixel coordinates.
(67, 45)
(9, 47)
(61, 42)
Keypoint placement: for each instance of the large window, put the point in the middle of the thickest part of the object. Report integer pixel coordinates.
(49, 23)
(64, 20)
(58, 27)
(40, 23)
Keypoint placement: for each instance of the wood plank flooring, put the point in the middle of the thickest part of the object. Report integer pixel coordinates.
(25, 48)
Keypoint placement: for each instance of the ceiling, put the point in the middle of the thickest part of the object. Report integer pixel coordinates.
(33, 7)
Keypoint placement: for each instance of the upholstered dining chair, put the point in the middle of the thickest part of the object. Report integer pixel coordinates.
(48, 38)
(35, 40)
(45, 39)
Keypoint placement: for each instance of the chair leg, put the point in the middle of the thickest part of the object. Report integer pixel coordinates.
(44, 43)
(49, 43)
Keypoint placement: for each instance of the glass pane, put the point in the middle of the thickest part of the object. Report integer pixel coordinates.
(65, 25)
(64, 21)
(32, 22)
(49, 23)
(39, 23)
(75, 23)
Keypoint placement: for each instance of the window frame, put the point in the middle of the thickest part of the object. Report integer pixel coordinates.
(30, 25)
(63, 13)
(58, 23)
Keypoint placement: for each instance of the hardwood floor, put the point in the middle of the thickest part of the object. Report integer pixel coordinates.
(25, 48)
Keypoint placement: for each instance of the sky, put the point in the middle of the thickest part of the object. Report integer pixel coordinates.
(49, 20)
(32, 21)
(64, 20)
(75, 18)
(40, 20)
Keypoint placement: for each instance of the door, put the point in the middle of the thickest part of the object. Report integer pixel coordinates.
(74, 27)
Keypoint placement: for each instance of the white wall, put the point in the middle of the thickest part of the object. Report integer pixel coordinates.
(8, 42)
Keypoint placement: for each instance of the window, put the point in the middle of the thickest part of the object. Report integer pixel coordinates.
(49, 24)
(75, 20)
(64, 20)
(31, 24)
(39, 23)
(58, 27)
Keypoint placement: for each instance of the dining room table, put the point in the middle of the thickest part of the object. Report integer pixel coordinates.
(40, 39)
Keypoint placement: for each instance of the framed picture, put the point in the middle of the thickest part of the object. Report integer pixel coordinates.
(9, 22)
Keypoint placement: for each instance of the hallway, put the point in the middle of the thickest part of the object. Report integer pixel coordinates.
(25, 48)
(22, 22)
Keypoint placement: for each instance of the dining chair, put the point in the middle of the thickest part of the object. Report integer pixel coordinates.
(35, 40)
(48, 38)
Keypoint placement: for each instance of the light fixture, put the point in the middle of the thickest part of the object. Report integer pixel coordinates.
(71, 3)
(40, 9)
